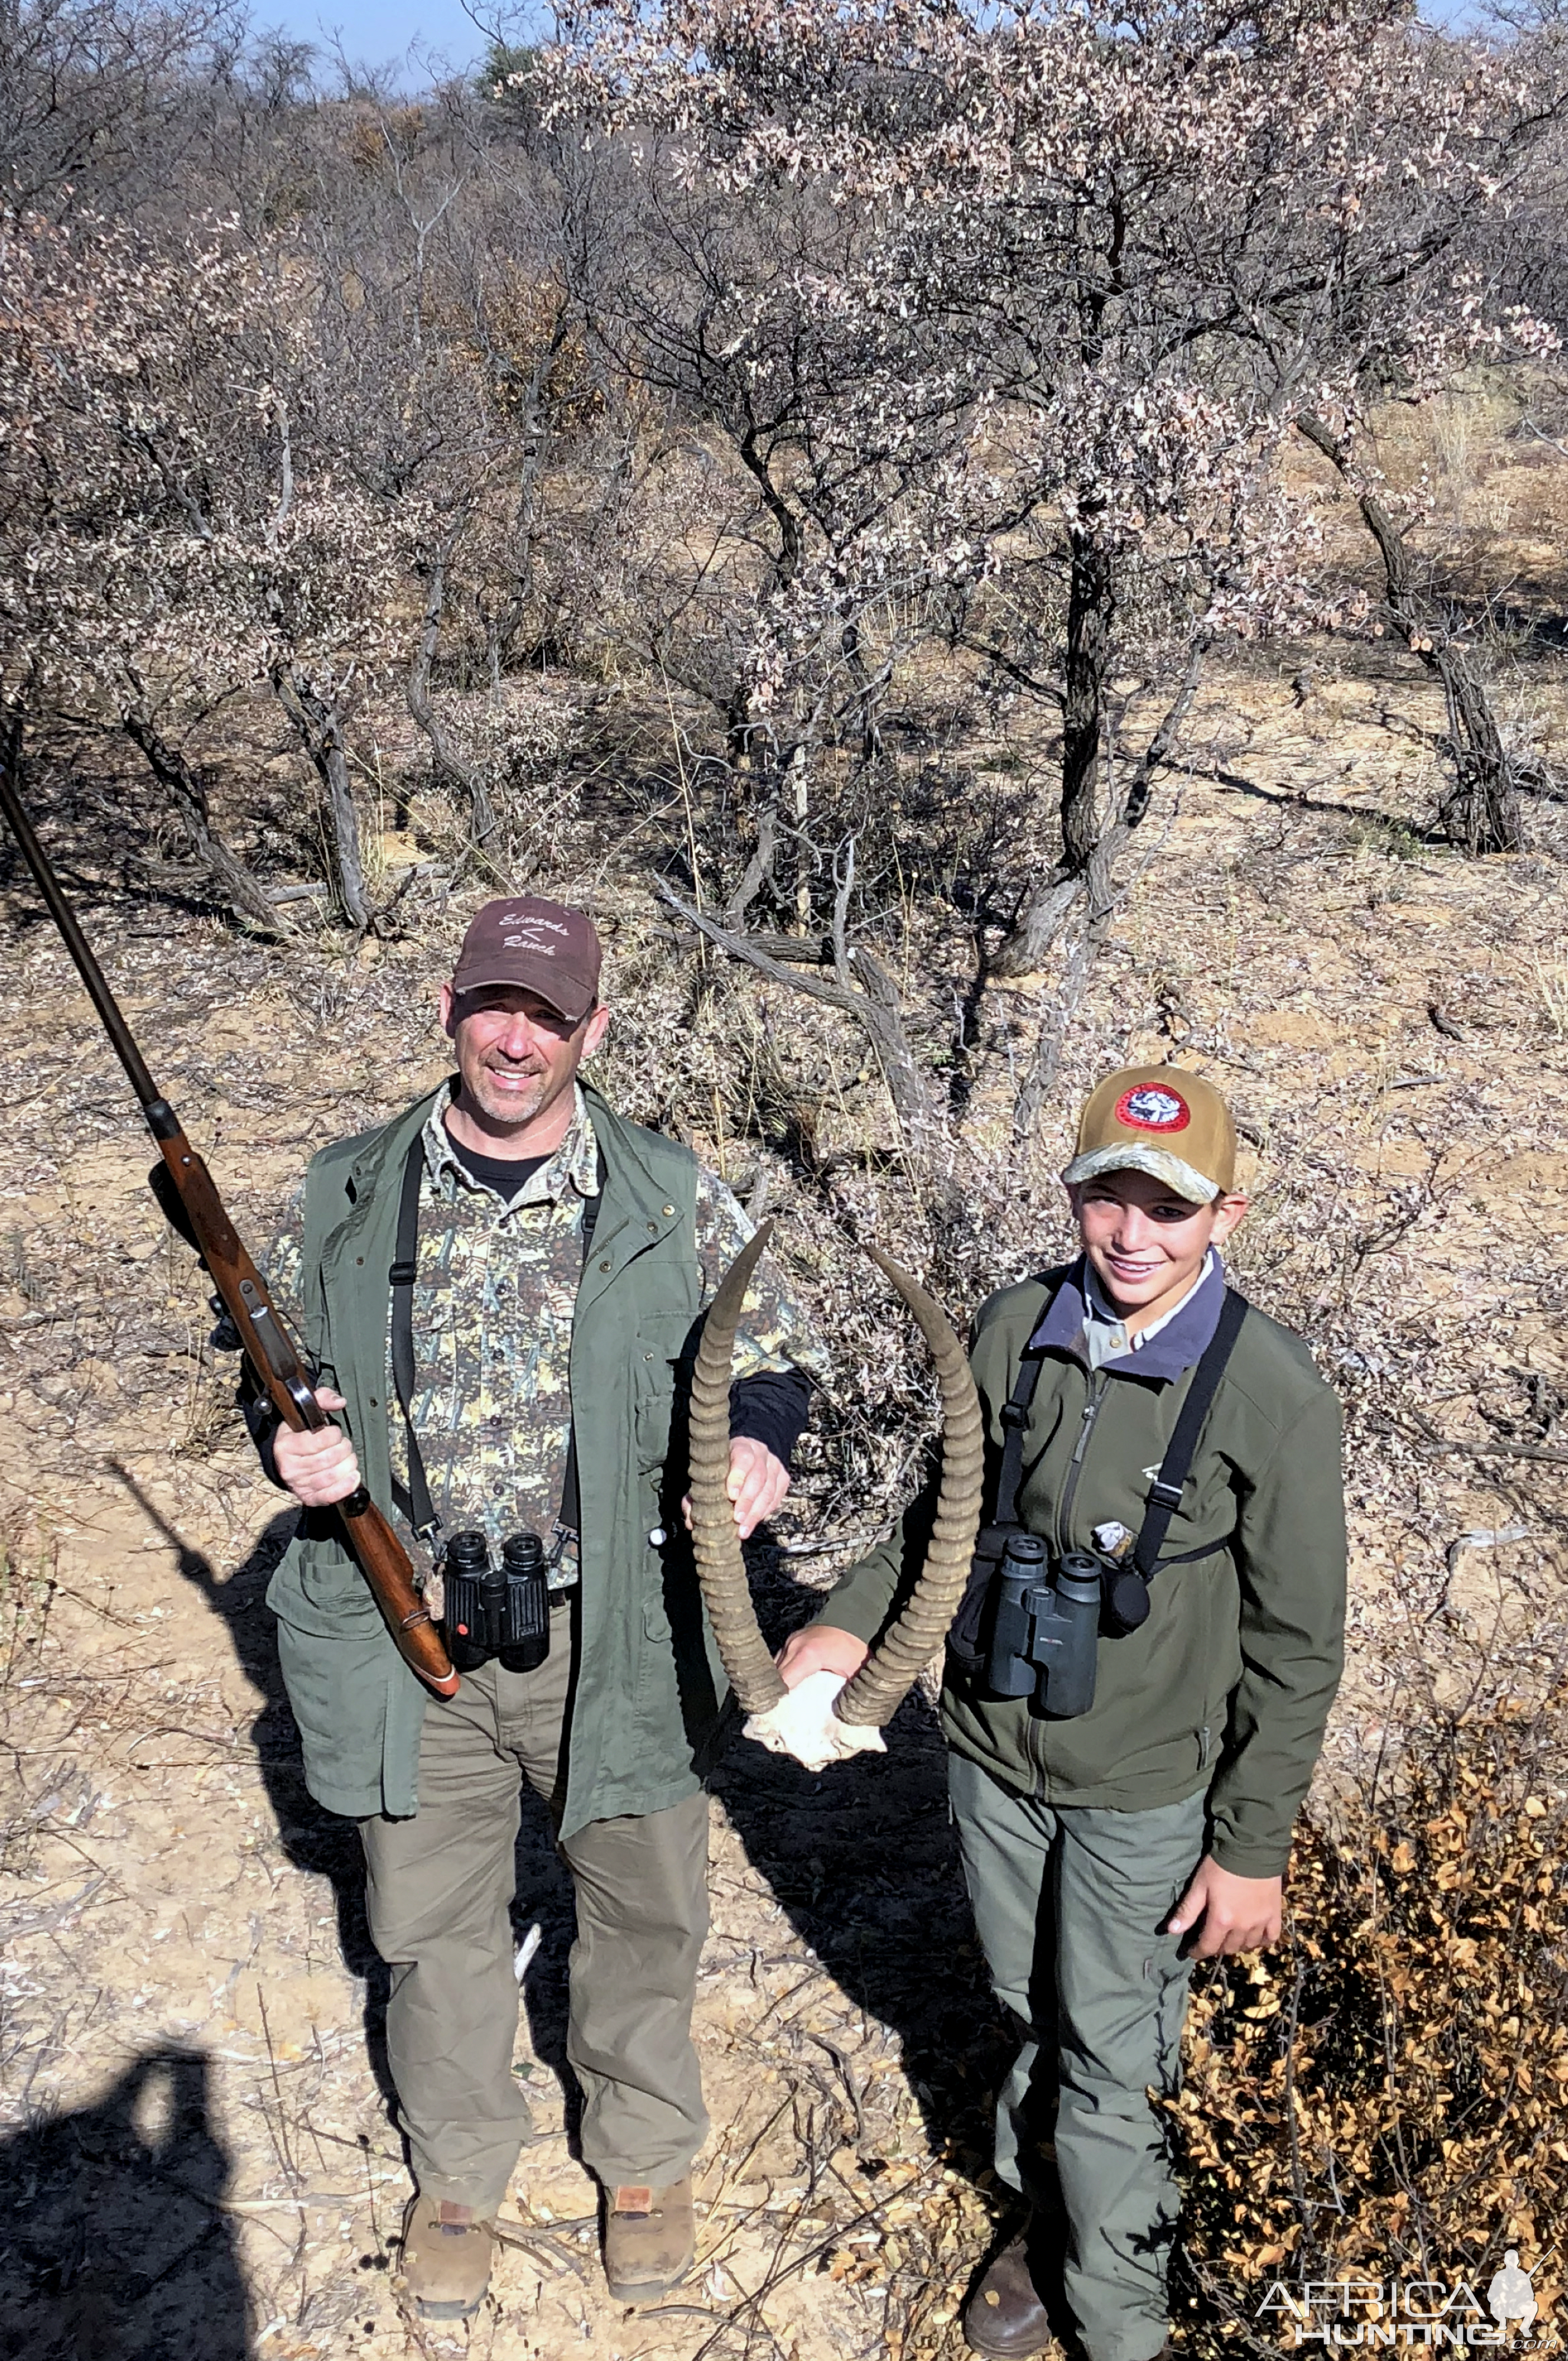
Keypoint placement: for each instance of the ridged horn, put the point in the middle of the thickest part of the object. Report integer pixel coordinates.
(877, 1690)
(720, 1568)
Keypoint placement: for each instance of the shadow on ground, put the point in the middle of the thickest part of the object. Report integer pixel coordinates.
(313, 1840)
(114, 2246)
(864, 1861)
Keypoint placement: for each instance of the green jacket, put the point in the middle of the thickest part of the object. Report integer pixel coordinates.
(650, 1687)
(1228, 1683)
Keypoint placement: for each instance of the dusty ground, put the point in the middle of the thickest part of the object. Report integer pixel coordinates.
(197, 2156)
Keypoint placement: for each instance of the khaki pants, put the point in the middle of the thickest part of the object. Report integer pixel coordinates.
(1069, 1904)
(438, 1887)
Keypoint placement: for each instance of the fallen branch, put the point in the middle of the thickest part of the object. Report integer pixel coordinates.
(1497, 1451)
(875, 1010)
(1439, 1443)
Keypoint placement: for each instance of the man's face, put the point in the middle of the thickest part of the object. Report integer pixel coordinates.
(516, 1054)
(1147, 1243)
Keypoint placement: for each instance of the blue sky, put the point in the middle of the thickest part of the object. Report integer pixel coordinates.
(385, 32)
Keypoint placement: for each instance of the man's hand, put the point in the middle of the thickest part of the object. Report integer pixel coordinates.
(318, 1468)
(1229, 1914)
(757, 1484)
(820, 1648)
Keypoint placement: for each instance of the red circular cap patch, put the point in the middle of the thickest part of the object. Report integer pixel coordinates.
(1153, 1108)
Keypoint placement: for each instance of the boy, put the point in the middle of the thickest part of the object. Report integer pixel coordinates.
(1104, 1849)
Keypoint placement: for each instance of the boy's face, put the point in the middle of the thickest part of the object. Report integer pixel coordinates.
(1146, 1242)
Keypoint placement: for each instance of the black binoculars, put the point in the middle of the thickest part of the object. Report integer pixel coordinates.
(496, 1610)
(1046, 1627)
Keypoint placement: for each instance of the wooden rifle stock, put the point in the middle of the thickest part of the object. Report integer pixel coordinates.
(185, 1191)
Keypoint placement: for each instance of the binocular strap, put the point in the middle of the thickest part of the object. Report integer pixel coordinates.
(1165, 1493)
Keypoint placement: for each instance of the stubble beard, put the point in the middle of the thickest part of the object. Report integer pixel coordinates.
(508, 1110)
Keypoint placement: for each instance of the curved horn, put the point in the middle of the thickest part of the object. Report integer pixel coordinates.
(720, 1568)
(880, 1687)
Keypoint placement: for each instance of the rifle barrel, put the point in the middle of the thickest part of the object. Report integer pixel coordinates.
(155, 1106)
(242, 1291)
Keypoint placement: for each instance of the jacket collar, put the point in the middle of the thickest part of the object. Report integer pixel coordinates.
(1167, 1356)
(574, 1164)
(635, 1207)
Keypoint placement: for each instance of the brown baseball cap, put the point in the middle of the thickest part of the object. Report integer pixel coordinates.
(538, 946)
(1162, 1121)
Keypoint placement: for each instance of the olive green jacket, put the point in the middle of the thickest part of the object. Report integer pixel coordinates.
(650, 1689)
(1228, 1683)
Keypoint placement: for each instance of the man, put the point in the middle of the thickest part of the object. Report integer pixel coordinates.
(1104, 1849)
(552, 1261)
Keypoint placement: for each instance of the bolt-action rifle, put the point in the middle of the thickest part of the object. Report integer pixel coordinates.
(183, 1188)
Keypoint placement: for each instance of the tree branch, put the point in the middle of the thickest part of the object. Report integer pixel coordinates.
(446, 765)
(875, 1010)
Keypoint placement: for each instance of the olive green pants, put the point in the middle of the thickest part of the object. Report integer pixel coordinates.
(1069, 1904)
(438, 1889)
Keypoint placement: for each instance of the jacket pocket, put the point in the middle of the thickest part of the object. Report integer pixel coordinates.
(320, 1589)
(339, 1666)
(661, 1343)
(966, 1635)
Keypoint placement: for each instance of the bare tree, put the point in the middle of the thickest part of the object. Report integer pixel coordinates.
(1110, 250)
(1479, 808)
(174, 526)
(100, 99)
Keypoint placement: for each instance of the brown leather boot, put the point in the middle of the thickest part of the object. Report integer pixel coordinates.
(446, 2258)
(650, 2240)
(1005, 2318)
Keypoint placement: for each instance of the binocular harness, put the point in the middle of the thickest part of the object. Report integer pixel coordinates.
(1030, 1625)
(1047, 1620)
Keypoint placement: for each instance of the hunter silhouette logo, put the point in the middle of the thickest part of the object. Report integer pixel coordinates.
(1153, 1108)
(1511, 2297)
(1406, 2313)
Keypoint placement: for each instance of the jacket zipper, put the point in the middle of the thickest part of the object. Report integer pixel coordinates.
(1033, 1727)
(1091, 1408)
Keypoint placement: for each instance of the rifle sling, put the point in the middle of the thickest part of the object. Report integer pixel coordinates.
(413, 1500)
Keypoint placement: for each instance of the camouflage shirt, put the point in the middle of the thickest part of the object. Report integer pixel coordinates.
(493, 1305)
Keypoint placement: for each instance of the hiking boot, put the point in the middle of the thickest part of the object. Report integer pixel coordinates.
(1004, 2319)
(650, 2240)
(446, 2258)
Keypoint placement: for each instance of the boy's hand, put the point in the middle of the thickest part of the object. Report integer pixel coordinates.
(1227, 1913)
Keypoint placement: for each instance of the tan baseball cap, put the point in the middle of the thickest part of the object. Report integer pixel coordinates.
(1162, 1121)
(538, 946)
